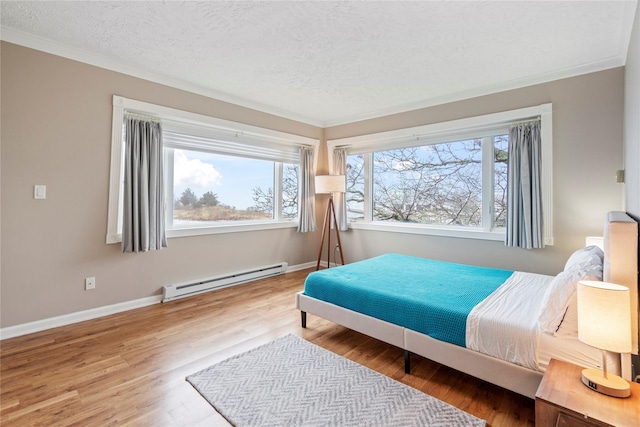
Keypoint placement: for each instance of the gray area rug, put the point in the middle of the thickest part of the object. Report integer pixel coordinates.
(291, 382)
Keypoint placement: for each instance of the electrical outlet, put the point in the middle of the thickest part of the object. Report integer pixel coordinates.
(89, 283)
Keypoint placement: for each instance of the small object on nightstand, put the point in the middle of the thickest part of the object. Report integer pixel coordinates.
(562, 400)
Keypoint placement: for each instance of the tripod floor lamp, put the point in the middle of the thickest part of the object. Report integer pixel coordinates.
(329, 184)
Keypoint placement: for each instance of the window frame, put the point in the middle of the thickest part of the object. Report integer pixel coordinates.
(454, 130)
(236, 132)
(238, 225)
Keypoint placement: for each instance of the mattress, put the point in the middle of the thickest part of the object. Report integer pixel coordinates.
(427, 296)
(505, 324)
(571, 349)
(491, 311)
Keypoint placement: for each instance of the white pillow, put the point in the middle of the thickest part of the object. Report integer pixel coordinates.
(585, 257)
(569, 325)
(559, 294)
(584, 264)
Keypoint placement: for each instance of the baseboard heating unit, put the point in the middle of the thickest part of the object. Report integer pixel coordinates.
(186, 289)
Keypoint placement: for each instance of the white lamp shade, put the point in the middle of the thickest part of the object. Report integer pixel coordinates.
(326, 184)
(604, 316)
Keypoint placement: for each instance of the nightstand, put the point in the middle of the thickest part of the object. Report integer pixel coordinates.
(562, 400)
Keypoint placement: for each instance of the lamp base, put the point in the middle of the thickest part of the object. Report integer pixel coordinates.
(613, 385)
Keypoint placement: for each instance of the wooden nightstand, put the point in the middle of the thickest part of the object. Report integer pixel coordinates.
(562, 400)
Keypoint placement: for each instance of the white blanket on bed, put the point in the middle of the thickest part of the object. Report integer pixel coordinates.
(505, 324)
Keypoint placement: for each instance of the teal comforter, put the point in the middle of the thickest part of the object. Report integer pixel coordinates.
(427, 296)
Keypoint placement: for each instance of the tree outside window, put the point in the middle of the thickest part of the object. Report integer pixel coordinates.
(438, 184)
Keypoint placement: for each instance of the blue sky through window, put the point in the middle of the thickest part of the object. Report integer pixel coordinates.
(231, 178)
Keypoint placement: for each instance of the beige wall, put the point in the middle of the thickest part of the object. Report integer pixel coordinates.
(56, 130)
(632, 121)
(587, 139)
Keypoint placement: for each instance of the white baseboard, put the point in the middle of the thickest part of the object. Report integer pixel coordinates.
(313, 264)
(79, 316)
(298, 267)
(94, 313)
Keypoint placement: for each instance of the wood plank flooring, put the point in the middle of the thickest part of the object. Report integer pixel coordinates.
(130, 368)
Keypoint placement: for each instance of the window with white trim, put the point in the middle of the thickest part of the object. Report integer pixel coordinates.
(446, 179)
(211, 181)
(219, 176)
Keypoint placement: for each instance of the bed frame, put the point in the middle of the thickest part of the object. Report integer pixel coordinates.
(620, 266)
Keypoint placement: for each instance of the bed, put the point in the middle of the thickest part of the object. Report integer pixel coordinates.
(498, 325)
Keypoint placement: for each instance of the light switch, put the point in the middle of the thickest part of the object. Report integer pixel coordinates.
(39, 191)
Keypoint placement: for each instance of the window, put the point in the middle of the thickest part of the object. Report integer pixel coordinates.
(445, 179)
(211, 181)
(219, 176)
(206, 188)
(439, 184)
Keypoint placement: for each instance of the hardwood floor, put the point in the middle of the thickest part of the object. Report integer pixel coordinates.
(130, 368)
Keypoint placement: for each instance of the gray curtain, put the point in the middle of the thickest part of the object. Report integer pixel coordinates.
(306, 192)
(524, 190)
(143, 212)
(340, 199)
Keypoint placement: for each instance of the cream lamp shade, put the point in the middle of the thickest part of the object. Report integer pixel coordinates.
(604, 319)
(327, 184)
(604, 322)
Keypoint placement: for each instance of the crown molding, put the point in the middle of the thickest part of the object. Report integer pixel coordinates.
(60, 49)
(612, 62)
(617, 60)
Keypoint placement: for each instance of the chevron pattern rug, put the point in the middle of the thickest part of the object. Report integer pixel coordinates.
(291, 382)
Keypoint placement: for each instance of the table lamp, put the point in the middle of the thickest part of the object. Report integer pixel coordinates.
(329, 184)
(604, 322)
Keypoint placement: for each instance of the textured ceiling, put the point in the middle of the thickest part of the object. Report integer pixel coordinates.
(332, 62)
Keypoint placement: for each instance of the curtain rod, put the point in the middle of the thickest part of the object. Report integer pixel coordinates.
(525, 122)
(142, 116)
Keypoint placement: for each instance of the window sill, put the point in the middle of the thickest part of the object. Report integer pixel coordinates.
(459, 232)
(229, 228)
(218, 229)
